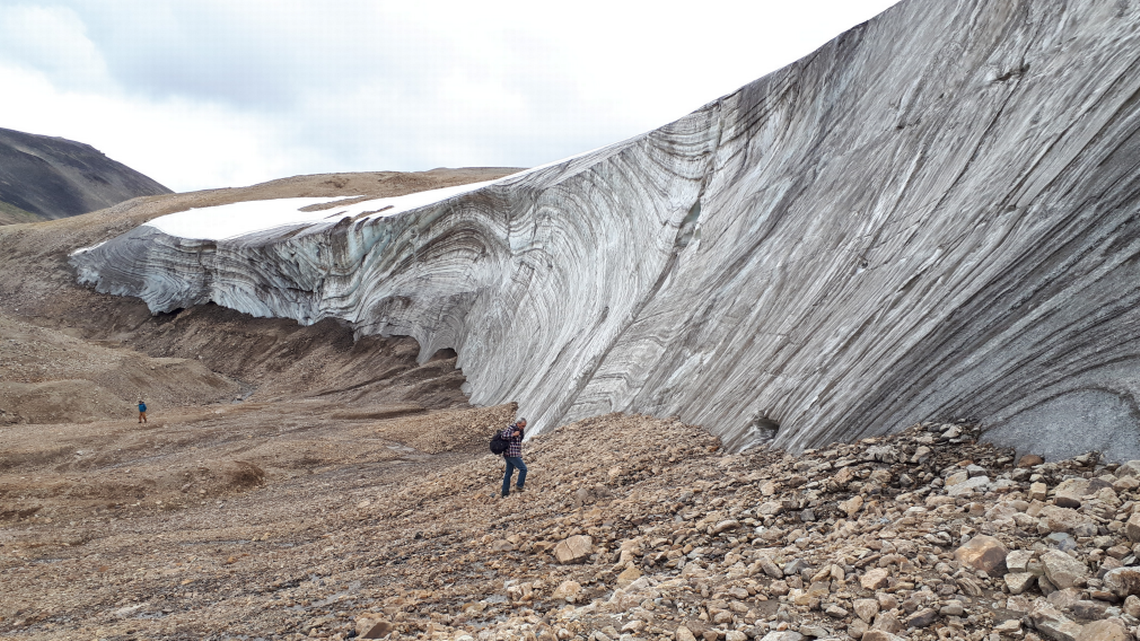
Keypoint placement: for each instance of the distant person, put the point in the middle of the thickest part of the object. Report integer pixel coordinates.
(513, 435)
(142, 411)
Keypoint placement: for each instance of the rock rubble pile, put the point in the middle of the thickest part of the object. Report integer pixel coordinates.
(630, 529)
(925, 535)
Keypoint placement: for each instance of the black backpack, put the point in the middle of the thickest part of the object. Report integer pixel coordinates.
(498, 443)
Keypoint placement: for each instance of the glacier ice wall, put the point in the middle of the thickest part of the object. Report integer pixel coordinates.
(933, 216)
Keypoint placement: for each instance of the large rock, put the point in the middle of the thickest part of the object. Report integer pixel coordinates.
(1018, 560)
(628, 576)
(1132, 527)
(1063, 570)
(852, 505)
(1123, 582)
(866, 609)
(568, 591)
(1063, 519)
(969, 486)
(373, 628)
(983, 553)
(683, 634)
(1054, 625)
(1105, 630)
(1129, 468)
(880, 635)
(923, 618)
(1019, 582)
(875, 579)
(785, 635)
(936, 200)
(1070, 492)
(575, 549)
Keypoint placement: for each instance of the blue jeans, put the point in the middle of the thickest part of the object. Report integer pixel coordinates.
(512, 463)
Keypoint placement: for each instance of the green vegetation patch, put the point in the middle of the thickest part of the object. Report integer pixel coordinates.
(12, 215)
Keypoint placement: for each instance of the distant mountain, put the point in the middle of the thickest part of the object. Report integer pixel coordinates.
(45, 178)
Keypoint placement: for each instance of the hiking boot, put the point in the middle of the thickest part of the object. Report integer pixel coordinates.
(518, 488)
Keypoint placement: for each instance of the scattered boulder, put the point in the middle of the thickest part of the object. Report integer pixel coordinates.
(983, 553)
(912, 561)
(784, 635)
(575, 549)
(1132, 527)
(922, 618)
(1067, 520)
(1105, 630)
(567, 591)
(866, 609)
(370, 628)
(1019, 582)
(628, 576)
(1054, 625)
(1130, 468)
(875, 579)
(1063, 570)
(684, 634)
(1124, 582)
(1070, 492)
(880, 635)
(852, 505)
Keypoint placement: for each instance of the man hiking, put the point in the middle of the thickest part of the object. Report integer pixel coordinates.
(513, 435)
(142, 411)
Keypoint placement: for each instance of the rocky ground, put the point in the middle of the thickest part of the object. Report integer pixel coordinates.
(293, 483)
(629, 528)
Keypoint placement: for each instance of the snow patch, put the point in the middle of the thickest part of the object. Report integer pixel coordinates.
(238, 219)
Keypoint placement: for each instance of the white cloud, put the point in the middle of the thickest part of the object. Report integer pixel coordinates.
(205, 93)
(52, 40)
(200, 144)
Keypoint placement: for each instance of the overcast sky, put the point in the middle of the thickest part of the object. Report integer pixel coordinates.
(225, 93)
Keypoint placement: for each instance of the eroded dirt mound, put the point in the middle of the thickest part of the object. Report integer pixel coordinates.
(47, 376)
(284, 360)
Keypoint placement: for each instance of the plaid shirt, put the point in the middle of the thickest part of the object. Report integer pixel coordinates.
(514, 443)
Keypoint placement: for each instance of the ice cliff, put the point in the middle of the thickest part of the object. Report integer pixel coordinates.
(934, 216)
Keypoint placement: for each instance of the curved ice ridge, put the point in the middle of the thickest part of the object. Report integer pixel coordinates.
(934, 216)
